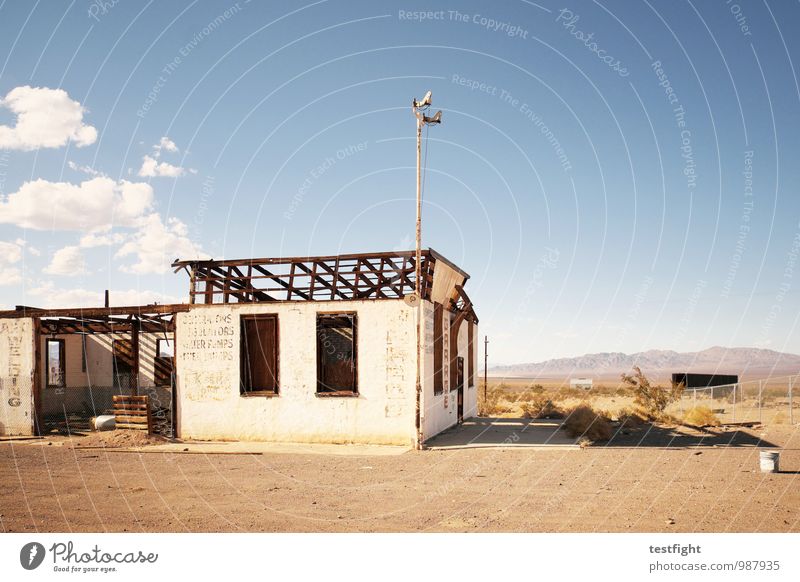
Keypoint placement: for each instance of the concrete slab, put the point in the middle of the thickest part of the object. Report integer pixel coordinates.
(259, 448)
(503, 432)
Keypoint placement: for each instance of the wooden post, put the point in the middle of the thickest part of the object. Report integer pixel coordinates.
(791, 405)
(760, 390)
(36, 380)
(485, 368)
(135, 355)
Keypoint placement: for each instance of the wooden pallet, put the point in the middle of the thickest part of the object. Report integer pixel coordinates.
(133, 412)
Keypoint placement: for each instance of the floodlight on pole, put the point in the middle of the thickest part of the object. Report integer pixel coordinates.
(419, 108)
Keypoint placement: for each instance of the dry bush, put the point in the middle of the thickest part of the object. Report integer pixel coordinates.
(780, 417)
(541, 406)
(652, 400)
(700, 416)
(630, 417)
(494, 402)
(586, 422)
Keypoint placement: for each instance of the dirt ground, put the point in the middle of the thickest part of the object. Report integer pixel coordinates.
(653, 480)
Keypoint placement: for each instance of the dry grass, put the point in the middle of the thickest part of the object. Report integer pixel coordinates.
(586, 422)
(540, 406)
(700, 416)
(631, 417)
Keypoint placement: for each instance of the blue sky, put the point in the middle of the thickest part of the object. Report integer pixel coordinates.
(615, 176)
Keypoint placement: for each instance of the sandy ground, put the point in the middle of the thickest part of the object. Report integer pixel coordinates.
(644, 480)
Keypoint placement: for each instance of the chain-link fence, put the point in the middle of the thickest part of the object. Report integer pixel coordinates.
(767, 401)
(71, 408)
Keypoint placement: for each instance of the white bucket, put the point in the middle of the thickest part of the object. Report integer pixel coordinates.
(769, 461)
(104, 422)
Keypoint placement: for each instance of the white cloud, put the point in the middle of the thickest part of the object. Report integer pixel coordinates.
(155, 245)
(46, 118)
(94, 239)
(165, 144)
(84, 169)
(97, 203)
(67, 261)
(10, 254)
(151, 168)
(51, 297)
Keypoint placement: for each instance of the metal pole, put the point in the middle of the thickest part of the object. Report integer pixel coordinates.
(485, 368)
(418, 276)
(760, 389)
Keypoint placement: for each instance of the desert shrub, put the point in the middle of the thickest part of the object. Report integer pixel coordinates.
(652, 400)
(700, 416)
(631, 417)
(541, 407)
(780, 417)
(583, 421)
(493, 403)
(527, 396)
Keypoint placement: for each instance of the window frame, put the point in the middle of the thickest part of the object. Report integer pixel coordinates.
(62, 352)
(354, 393)
(243, 392)
(158, 347)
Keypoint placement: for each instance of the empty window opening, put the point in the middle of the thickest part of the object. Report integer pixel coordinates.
(259, 355)
(56, 371)
(164, 362)
(122, 351)
(438, 350)
(337, 370)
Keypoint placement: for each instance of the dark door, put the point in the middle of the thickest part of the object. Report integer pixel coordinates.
(460, 387)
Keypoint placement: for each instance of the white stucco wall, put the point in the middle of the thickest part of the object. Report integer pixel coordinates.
(440, 411)
(16, 376)
(208, 363)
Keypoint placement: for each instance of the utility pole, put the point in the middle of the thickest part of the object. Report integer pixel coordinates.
(485, 367)
(419, 108)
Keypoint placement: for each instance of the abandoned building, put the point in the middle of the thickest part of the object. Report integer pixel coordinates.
(303, 349)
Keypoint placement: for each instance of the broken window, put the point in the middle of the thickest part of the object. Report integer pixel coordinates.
(336, 354)
(438, 350)
(259, 354)
(164, 362)
(471, 349)
(56, 368)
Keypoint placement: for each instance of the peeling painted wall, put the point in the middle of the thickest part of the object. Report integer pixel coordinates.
(440, 410)
(16, 377)
(208, 364)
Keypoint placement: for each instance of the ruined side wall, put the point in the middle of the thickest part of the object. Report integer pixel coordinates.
(99, 361)
(16, 377)
(208, 364)
(440, 411)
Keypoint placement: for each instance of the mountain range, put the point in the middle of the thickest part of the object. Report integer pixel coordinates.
(746, 362)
